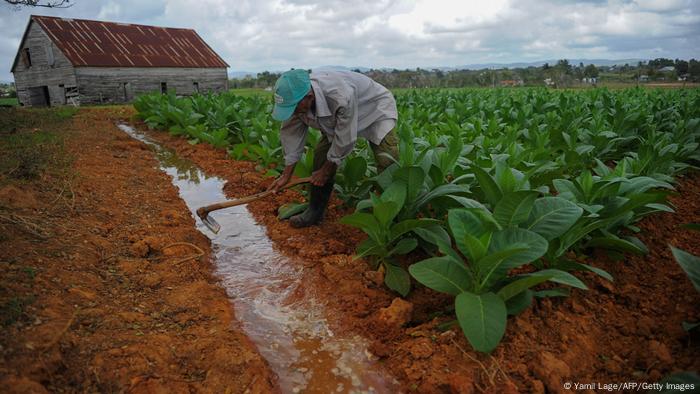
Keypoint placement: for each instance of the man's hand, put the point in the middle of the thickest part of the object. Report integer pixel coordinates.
(323, 174)
(282, 180)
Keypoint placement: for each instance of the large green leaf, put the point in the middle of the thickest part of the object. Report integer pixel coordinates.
(638, 200)
(405, 226)
(493, 268)
(290, 209)
(365, 222)
(692, 226)
(404, 246)
(552, 216)
(397, 279)
(568, 265)
(439, 191)
(520, 285)
(561, 277)
(396, 193)
(467, 230)
(385, 212)
(355, 168)
(514, 238)
(615, 243)
(464, 221)
(519, 302)
(370, 247)
(488, 185)
(579, 230)
(505, 178)
(413, 177)
(514, 207)
(690, 264)
(433, 234)
(510, 248)
(641, 184)
(567, 190)
(442, 274)
(482, 318)
(467, 202)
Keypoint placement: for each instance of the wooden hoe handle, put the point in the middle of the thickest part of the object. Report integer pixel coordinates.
(203, 211)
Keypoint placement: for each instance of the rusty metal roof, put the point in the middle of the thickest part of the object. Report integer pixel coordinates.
(108, 44)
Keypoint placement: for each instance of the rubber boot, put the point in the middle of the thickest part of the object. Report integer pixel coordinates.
(317, 206)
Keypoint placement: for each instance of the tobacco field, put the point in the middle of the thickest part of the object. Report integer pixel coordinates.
(497, 196)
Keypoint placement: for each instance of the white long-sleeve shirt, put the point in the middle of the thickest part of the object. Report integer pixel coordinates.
(347, 105)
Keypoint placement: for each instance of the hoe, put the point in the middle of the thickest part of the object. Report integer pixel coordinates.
(209, 221)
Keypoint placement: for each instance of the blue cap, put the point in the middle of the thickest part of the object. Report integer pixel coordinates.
(290, 89)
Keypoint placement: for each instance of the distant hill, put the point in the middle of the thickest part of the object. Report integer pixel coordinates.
(573, 62)
(479, 66)
(475, 66)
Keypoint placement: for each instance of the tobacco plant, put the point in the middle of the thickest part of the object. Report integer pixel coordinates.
(387, 237)
(478, 271)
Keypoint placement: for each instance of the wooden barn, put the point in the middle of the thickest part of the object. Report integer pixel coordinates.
(74, 61)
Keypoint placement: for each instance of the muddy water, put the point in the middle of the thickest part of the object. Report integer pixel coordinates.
(293, 336)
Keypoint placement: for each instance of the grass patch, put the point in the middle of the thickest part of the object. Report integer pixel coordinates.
(13, 309)
(247, 92)
(5, 101)
(26, 155)
(31, 142)
(19, 118)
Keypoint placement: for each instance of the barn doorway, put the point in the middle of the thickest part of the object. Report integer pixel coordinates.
(126, 91)
(39, 96)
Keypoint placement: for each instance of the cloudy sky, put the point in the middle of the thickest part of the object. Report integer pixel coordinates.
(257, 35)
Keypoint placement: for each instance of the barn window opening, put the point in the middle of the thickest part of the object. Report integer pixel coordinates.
(163, 87)
(125, 86)
(195, 87)
(71, 94)
(26, 57)
(49, 56)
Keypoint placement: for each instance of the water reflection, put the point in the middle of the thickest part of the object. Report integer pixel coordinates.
(293, 337)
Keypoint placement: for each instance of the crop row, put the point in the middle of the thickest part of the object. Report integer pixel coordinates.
(501, 190)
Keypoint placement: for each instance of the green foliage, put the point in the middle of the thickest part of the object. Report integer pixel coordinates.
(690, 264)
(680, 382)
(477, 271)
(240, 124)
(486, 182)
(288, 210)
(351, 182)
(387, 236)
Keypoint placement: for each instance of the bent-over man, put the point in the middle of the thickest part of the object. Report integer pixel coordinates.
(343, 105)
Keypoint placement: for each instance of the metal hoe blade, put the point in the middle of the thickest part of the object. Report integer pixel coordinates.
(203, 212)
(209, 221)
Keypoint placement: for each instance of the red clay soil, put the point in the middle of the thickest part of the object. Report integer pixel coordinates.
(628, 330)
(114, 282)
(143, 323)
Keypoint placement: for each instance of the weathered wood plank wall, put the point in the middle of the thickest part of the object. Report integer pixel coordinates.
(41, 73)
(106, 84)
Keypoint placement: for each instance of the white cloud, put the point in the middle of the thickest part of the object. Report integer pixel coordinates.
(256, 35)
(446, 14)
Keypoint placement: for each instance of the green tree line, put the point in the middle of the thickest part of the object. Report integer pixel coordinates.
(561, 74)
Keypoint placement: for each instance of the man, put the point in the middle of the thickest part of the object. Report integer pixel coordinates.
(343, 105)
